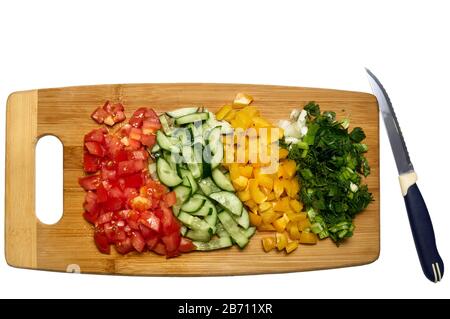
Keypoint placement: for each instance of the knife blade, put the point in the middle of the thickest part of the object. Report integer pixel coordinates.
(418, 215)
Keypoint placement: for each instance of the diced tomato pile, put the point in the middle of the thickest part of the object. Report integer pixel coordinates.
(109, 113)
(127, 208)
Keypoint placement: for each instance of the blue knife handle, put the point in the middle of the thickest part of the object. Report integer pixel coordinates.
(422, 230)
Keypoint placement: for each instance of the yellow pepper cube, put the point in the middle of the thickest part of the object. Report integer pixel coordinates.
(230, 116)
(242, 100)
(234, 171)
(251, 111)
(255, 219)
(240, 183)
(271, 196)
(268, 244)
(269, 216)
(294, 188)
(224, 110)
(244, 195)
(282, 241)
(265, 181)
(265, 206)
(304, 225)
(259, 122)
(256, 194)
(290, 247)
(281, 223)
(246, 171)
(308, 238)
(294, 232)
(251, 203)
(290, 168)
(266, 227)
(296, 205)
(283, 153)
(278, 187)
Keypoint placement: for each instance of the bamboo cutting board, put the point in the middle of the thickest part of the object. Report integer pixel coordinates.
(69, 246)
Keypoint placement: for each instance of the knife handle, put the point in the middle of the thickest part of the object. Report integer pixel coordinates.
(422, 230)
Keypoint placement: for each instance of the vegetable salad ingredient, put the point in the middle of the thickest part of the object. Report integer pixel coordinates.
(109, 113)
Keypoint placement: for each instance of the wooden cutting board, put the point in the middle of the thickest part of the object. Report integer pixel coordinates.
(68, 245)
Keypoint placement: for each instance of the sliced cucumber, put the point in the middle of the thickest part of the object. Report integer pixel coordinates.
(217, 157)
(193, 222)
(183, 135)
(171, 158)
(183, 230)
(182, 112)
(208, 186)
(206, 170)
(220, 230)
(243, 220)
(186, 174)
(165, 143)
(193, 204)
(221, 180)
(249, 232)
(155, 148)
(214, 244)
(229, 201)
(199, 235)
(207, 209)
(166, 174)
(211, 219)
(186, 119)
(233, 229)
(167, 128)
(196, 129)
(214, 137)
(182, 193)
(152, 171)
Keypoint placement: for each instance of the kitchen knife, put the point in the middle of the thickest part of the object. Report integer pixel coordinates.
(419, 218)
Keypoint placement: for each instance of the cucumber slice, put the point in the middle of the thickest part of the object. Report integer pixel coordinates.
(208, 187)
(249, 232)
(166, 174)
(199, 235)
(207, 209)
(167, 128)
(218, 156)
(165, 143)
(186, 174)
(182, 193)
(243, 220)
(193, 222)
(221, 180)
(214, 244)
(182, 112)
(229, 201)
(211, 219)
(183, 135)
(155, 148)
(196, 130)
(186, 119)
(152, 171)
(214, 137)
(183, 230)
(220, 230)
(193, 204)
(233, 229)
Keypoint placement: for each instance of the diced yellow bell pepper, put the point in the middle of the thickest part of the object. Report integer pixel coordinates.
(290, 168)
(240, 183)
(265, 227)
(304, 224)
(259, 122)
(283, 153)
(269, 216)
(230, 116)
(224, 110)
(237, 123)
(265, 206)
(282, 205)
(296, 217)
(234, 171)
(271, 196)
(294, 188)
(246, 171)
(255, 220)
(282, 241)
(244, 195)
(294, 232)
(268, 243)
(251, 203)
(265, 181)
(308, 238)
(281, 223)
(290, 247)
(286, 185)
(251, 111)
(256, 194)
(296, 205)
(278, 187)
(242, 100)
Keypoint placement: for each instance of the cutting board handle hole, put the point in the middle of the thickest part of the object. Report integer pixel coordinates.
(49, 179)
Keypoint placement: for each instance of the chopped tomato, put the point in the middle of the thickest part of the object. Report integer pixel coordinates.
(102, 242)
(186, 245)
(160, 249)
(97, 135)
(92, 218)
(148, 140)
(89, 182)
(109, 113)
(91, 164)
(134, 180)
(137, 241)
(124, 247)
(172, 241)
(170, 199)
(95, 148)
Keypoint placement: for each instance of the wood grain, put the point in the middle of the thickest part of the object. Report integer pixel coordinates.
(64, 112)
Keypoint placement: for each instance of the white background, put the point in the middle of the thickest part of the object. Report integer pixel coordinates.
(320, 44)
